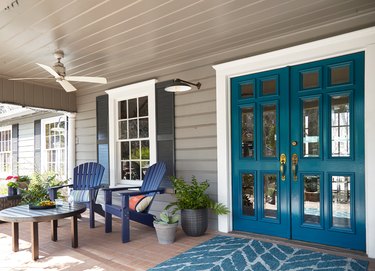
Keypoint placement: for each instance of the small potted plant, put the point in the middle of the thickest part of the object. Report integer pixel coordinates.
(166, 226)
(194, 202)
(12, 188)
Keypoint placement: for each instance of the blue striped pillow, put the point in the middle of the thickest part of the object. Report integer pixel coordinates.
(80, 195)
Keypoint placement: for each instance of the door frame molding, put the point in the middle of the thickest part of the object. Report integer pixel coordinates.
(357, 41)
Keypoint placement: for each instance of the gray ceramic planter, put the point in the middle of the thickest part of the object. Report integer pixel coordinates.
(194, 222)
(166, 233)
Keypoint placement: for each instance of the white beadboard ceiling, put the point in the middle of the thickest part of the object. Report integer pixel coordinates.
(126, 40)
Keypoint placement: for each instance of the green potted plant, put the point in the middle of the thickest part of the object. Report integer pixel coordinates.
(166, 226)
(194, 202)
(12, 188)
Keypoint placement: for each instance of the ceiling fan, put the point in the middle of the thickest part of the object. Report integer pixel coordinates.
(58, 73)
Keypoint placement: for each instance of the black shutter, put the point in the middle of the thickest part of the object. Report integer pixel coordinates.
(15, 149)
(37, 146)
(102, 135)
(165, 130)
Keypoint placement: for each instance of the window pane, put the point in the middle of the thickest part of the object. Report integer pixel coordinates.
(145, 165)
(270, 196)
(143, 127)
(341, 201)
(135, 150)
(125, 170)
(248, 197)
(310, 79)
(247, 132)
(311, 199)
(123, 130)
(311, 128)
(247, 90)
(340, 126)
(269, 87)
(145, 148)
(269, 130)
(122, 110)
(340, 75)
(143, 106)
(132, 108)
(124, 150)
(133, 128)
(135, 170)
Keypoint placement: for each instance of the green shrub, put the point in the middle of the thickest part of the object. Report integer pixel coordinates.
(193, 196)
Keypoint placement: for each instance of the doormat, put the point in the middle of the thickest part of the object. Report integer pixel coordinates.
(231, 253)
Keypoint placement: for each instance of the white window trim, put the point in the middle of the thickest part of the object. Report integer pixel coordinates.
(362, 40)
(7, 128)
(43, 165)
(145, 88)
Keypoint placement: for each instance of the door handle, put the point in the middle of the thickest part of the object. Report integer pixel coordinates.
(295, 166)
(282, 166)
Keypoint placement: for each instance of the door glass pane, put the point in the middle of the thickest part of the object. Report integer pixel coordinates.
(310, 79)
(247, 131)
(269, 130)
(143, 127)
(311, 128)
(145, 149)
(247, 90)
(135, 170)
(248, 194)
(341, 201)
(135, 150)
(125, 170)
(340, 126)
(340, 75)
(269, 87)
(311, 203)
(270, 195)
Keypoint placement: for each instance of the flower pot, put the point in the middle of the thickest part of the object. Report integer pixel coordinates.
(12, 191)
(194, 222)
(166, 233)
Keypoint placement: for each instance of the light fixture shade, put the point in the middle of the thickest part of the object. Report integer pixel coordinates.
(178, 87)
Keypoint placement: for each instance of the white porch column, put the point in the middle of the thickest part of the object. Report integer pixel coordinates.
(370, 147)
(71, 157)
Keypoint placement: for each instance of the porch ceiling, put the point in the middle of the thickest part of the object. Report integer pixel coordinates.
(127, 41)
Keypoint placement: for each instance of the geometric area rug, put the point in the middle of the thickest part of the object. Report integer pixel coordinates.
(225, 253)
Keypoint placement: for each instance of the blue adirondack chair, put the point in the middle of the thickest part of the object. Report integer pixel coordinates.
(87, 180)
(150, 187)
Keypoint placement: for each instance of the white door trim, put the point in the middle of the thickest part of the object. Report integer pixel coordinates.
(362, 40)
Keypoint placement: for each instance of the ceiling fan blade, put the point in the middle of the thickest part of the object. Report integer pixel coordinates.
(66, 85)
(35, 78)
(99, 80)
(49, 69)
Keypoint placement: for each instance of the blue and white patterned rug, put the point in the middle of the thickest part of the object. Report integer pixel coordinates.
(225, 253)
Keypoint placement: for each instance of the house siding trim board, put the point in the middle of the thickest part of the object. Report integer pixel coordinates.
(362, 40)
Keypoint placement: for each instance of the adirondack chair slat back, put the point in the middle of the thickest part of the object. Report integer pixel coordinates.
(153, 177)
(87, 175)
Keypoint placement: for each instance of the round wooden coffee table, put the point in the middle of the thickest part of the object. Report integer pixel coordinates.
(22, 213)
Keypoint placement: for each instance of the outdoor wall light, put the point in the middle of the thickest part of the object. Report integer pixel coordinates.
(180, 85)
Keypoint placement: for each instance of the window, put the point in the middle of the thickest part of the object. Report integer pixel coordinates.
(54, 151)
(132, 132)
(5, 151)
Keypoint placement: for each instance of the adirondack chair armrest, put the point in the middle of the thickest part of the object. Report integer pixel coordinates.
(136, 193)
(96, 187)
(52, 191)
(119, 188)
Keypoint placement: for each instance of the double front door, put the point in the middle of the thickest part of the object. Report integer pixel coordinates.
(298, 152)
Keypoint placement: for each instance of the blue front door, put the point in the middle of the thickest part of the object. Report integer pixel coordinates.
(298, 152)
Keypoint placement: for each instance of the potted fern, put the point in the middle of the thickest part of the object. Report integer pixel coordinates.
(166, 226)
(194, 202)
